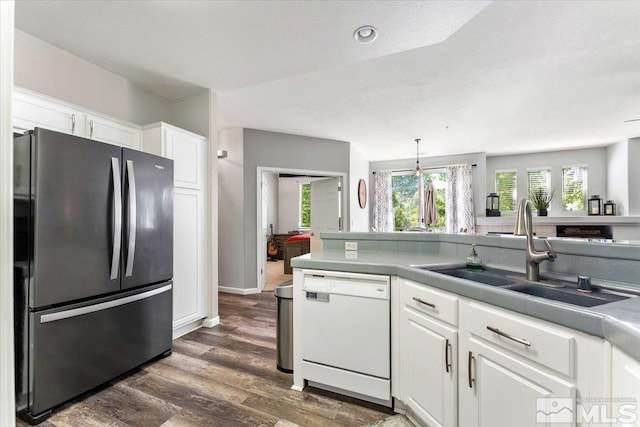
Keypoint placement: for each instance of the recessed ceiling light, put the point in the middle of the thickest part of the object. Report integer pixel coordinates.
(365, 34)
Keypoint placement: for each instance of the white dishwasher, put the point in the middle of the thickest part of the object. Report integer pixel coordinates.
(346, 334)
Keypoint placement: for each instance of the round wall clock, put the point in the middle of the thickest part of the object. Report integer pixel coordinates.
(362, 193)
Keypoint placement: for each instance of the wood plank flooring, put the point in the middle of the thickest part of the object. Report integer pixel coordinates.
(222, 376)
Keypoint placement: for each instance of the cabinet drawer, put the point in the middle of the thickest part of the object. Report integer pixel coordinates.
(429, 301)
(534, 339)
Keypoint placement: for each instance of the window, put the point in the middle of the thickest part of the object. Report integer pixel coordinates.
(574, 188)
(305, 205)
(405, 198)
(506, 189)
(538, 180)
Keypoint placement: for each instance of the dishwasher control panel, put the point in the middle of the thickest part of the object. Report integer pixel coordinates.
(357, 285)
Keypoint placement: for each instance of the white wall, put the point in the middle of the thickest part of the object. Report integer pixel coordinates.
(595, 158)
(479, 171)
(289, 201)
(44, 68)
(7, 390)
(618, 176)
(288, 204)
(634, 176)
(272, 200)
(358, 169)
(231, 254)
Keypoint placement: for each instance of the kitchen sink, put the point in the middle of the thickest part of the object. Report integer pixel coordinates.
(553, 289)
(570, 295)
(488, 275)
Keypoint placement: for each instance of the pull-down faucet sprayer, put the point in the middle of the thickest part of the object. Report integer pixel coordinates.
(524, 227)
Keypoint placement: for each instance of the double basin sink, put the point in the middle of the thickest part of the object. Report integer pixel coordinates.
(556, 290)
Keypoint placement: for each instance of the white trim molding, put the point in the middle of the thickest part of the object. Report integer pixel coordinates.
(238, 291)
(210, 323)
(7, 390)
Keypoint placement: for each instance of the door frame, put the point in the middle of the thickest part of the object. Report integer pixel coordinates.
(260, 250)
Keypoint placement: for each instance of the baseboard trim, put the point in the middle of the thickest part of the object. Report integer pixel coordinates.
(211, 322)
(185, 329)
(297, 388)
(238, 291)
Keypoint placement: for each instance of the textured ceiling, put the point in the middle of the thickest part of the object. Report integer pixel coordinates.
(502, 77)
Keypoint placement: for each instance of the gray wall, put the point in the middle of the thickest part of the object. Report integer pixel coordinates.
(595, 158)
(44, 68)
(634, 176)
(618, 176)
(479, 172)
(191, 112)
(248, 150)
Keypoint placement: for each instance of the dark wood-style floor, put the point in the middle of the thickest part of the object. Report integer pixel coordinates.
(223, 376)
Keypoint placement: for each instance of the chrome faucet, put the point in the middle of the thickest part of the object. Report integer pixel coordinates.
(524, 227)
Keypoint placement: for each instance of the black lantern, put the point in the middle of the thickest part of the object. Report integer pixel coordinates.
(594, 205)
(493, 205)
(610, 208)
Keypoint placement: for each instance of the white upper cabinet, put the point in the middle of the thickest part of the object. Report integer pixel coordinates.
(111, 131)
(32, 110)
(187, 150)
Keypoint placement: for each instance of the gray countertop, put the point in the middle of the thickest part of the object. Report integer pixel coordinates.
(617, 322)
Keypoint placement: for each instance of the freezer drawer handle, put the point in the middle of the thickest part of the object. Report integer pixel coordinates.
(131, 179)
(117, 218)
(74, 312)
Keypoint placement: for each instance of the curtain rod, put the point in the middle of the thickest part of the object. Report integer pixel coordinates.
(429, 168)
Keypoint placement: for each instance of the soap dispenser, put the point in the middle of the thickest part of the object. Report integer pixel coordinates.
(474, 263)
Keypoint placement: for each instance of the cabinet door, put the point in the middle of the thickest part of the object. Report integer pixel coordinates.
(187, 152)
(112, 132)
(188, 260)
(429, 369)
(30, 111)
(502, 390)
(625, 388)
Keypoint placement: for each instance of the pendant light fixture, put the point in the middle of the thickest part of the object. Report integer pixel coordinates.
(418, 170)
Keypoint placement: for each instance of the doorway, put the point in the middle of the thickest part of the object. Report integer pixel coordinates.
(285, 221)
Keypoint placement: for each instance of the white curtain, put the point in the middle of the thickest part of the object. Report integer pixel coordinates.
(382, 211)
(459, 212)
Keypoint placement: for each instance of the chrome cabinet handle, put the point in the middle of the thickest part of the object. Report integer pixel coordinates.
(447, 362)
(117, 218)
(508, 336)
(470, 360)
(428, 304)
(131, 180)
(90, 129)
(73, 123)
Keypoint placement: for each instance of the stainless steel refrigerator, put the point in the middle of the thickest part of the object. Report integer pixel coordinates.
(93, 245)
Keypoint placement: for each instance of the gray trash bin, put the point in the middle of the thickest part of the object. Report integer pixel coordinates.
(284, 326)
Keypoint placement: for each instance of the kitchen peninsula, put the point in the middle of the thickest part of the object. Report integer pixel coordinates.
(453, 340)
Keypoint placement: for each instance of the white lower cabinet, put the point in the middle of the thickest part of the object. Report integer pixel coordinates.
(625, 388)
(467, 363)
(500, 389)
(428, 352)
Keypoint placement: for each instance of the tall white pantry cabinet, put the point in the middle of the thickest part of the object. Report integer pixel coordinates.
(188, 153)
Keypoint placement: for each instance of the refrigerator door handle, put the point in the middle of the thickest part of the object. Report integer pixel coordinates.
(131, 179)
(117, 218)
(74, 312)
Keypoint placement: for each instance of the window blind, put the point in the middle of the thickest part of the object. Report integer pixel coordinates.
(506, 188)
(538, 179)
(574, 187)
